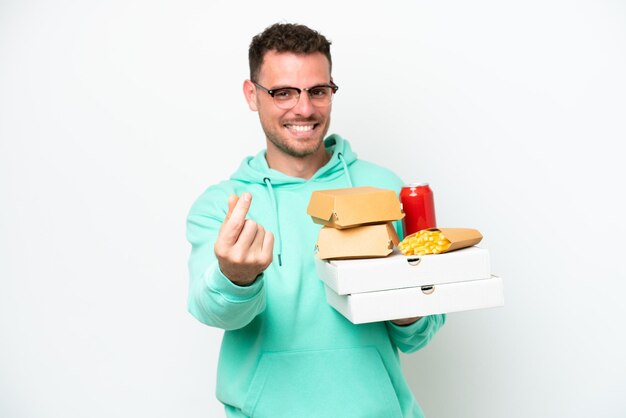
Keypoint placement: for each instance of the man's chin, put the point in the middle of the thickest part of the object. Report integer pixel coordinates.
(300, 149)
(297, 153)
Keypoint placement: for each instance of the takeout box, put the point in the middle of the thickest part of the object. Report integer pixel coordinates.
(350, 207)
(398, 271)
(399, 286)
(458, 237)
(410, 302)
(359, 242)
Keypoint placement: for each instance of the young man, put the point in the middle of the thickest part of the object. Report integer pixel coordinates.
(285, 351)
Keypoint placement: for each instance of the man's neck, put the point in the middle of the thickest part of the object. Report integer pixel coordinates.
(304, 167)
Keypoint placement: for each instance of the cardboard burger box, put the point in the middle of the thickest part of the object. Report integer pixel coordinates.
(354, 206)
(367, 241)
(399, 286)
(357, 222)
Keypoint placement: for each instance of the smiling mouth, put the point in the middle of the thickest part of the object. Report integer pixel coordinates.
(301, 128)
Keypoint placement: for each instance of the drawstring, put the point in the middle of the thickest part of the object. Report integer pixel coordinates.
(279, 240)
(345, 169)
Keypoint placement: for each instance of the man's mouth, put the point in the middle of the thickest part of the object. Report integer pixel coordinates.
(300, 128)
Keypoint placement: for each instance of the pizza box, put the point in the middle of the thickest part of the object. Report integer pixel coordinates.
(399, 271)
(416, 301)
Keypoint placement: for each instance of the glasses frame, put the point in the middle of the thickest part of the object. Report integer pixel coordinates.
(272, 92)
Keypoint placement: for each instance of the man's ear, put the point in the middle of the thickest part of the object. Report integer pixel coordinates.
(249, 91)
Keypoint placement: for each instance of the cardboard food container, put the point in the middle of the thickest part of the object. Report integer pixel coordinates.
(350, 207)
(376, 240)
(400, 286)
(458, 237)
(400, 271)
(410, 302)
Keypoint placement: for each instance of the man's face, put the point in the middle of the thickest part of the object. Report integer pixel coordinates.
(300, 131)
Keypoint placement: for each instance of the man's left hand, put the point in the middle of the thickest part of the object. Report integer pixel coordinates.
(406, 321)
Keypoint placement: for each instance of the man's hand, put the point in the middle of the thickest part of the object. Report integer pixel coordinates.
(406, 321)
(243, 248)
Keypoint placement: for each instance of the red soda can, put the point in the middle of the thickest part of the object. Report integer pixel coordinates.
(418, 205)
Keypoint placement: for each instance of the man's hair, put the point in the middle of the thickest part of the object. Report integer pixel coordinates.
(285, 37)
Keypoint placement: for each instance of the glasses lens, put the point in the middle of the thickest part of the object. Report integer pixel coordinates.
(286, 98)
(321, 95)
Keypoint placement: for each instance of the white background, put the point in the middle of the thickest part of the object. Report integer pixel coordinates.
(114, 117)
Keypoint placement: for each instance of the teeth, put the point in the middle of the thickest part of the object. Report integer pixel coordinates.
(300, 128)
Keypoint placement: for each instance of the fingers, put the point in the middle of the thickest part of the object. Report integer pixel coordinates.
(244, 249)
(267, 250)
(248, 233)
(232, 201)
(256, 244)
(242, 240)
(235, 218)
(240, 210)
(263, 246)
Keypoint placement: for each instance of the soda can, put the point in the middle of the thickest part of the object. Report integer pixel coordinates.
(418, 205)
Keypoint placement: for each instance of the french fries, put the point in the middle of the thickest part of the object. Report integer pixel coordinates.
(424, 242)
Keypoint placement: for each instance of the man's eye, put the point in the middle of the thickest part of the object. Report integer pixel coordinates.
(284, 94)
(320, 91)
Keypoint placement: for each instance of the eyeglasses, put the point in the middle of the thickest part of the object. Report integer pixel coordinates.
(288, 97)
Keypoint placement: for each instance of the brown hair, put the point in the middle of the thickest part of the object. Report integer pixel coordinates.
(285, 37)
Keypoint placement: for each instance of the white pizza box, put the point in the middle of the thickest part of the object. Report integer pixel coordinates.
(410, 302)
(400, 271)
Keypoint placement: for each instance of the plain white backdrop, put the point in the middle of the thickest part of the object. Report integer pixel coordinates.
(114, 117)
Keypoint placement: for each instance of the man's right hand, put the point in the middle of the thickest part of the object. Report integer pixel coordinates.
(243, 248)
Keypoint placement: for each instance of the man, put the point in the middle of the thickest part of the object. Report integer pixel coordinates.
(285, 351)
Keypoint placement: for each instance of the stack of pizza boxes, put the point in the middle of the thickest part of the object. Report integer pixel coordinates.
(367, 279)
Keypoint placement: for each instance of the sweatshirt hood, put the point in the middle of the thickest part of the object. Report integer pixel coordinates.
(254, 169)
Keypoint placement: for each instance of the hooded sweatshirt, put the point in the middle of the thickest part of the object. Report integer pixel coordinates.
(286, 352)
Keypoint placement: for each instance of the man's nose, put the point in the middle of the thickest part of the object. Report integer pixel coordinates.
(304, 106)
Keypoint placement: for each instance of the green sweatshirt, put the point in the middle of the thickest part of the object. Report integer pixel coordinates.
(285, 351)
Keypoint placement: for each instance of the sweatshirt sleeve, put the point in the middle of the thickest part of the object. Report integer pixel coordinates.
(213, 299)
(411, 338)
